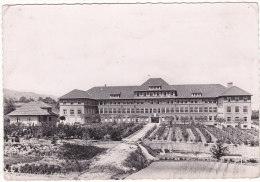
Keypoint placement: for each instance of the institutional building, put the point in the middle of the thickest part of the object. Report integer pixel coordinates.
(157, 101)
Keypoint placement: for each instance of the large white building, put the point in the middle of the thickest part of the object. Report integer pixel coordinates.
(157, 101)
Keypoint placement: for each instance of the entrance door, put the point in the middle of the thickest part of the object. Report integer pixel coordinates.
(154, 119)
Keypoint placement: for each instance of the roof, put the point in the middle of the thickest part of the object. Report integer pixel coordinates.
(76, 94)
(127, 92)
(155, 82)
(234, 90)
(32, 109)
(207, 90)
(183, 91)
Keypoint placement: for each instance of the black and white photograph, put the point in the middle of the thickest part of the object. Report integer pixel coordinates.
(130, 91)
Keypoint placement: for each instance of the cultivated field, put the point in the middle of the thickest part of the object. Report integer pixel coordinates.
(195, 169)
(195, 133)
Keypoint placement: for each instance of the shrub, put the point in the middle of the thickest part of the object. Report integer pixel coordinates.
(17, 139)
(136, 160)
(79, 152)
(219, 150)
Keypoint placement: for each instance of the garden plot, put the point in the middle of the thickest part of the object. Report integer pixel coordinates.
(178, 134)
(203, 139)
(191, 137)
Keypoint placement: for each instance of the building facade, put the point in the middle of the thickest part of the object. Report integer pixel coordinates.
(157, 101)
(33, 113)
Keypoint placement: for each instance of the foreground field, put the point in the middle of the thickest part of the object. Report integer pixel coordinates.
(195, 169)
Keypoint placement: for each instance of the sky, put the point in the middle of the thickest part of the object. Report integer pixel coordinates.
(53, 49)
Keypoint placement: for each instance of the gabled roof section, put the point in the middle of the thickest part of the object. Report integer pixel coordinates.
(207, 90)
(77, 94)
(126, 92)
(32, 109)
(155, 82)
(233, 91)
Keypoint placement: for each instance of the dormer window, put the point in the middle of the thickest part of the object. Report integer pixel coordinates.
(115, 95)
(155, 87)
(196, 94)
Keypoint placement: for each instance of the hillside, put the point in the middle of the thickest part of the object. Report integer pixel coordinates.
(7, 93)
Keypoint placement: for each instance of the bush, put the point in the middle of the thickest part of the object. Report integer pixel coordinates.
(79, 152)
(17, 139)
(136, 160)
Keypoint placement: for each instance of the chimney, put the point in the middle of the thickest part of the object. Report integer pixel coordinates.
(229, 84)
(105, 85)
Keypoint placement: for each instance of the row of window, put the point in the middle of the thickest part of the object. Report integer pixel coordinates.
(79, 111)
(176, 118)
(154, 94)
(72, 102)
(158, 110)
(237, 109)
(240, 98)
(237, 119)
(155, 102)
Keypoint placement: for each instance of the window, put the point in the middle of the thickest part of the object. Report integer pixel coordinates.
(79, 102)
(228, 108)
(210, 118)
(195, 109)
(101, 111)
(79, 111)
(210, 109)
(29, 119)
(154, 110)
(191, 109)
(245, 99)
(245, 109)
(128, 110)
(205, 109)
(215, 109)
(72, 112)
(137, 110)
(118, 110)
(177, 109)
(229, 99)
(200, 109)
(110, 110)
(65, 111)
(142, 110)
(186, 109)
(237, 109)
(124, 110)
(236, 99)
(245, 118)
(236, 118)
(191, 117)
(172, 110)
(163, 110)
(181, 109)
(215, 118)
(151, 110)
(132, 110)
(146, 110)
(159, 110)
(228, 118)
(167, 110)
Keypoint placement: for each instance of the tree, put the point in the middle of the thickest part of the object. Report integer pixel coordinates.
(24, 99)
(8, 106)
(62, 118)
(218, 150)
(40, 99)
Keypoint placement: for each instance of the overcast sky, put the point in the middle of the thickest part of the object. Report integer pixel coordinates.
(52, 49)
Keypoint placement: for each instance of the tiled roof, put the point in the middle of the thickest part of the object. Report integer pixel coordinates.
(183, 91)
(76, 94)
(207, 90)
(155, 82)
(127, 92)
(234, 90)
(32, 109)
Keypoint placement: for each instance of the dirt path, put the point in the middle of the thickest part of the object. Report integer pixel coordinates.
(140, 134)
(191, 135)
(203, 139)
(169, 138)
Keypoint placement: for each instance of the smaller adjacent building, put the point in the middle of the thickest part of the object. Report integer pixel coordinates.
(33, 113)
